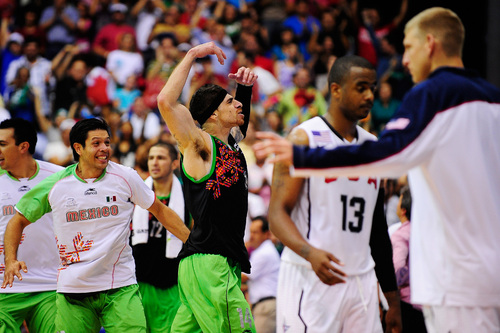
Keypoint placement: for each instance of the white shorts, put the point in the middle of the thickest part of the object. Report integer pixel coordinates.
(461, 319)
(304, 303)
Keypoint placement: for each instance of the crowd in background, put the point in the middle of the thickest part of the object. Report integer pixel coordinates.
(66, 60)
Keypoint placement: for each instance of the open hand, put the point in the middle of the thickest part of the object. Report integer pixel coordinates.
(13, 268)
(277, 148)
(203, 50)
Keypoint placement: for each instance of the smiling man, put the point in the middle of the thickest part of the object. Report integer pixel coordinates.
(92, 204)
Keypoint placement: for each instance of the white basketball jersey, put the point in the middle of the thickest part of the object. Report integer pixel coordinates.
(92, 225)
(335, 214)
(38, 244)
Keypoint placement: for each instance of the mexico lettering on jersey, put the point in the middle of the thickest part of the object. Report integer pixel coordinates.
(445, 135)
(92, 225)
(38, 245)
(335, 214)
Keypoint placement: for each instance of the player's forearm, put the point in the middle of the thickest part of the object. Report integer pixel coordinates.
(12, 237)
(283, 227)
(173, 223)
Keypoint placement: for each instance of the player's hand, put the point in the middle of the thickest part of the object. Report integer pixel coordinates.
(13, 268)
(244, 76)
(393, 322)
(203, 50)
(271, 145)
(321, 262)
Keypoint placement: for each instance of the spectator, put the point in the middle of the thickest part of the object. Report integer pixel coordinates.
(301, 102)
(125, 96)
(145, 123)
(384, 107)
(30, 28)
(263, 281)
(371, 20)
(83, 27)
(60, 22)
(411, 314)
(170, 23)
(108, 38)
(59, 152)
(70, 72)
(217, 34)
(126, 147)
(146, 13)
(22, 101)
(159, 69)
(286, 69)
(39, 68)
(303, 25)
(11, 49)
(125, 61)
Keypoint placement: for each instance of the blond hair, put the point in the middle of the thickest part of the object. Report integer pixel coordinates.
(444, 25)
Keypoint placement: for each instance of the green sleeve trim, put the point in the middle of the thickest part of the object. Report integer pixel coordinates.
(35, 203)
(214, 155)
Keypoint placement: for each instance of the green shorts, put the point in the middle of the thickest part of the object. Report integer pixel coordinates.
(212, 301)
(38, 309)
(160, 306)
(117, 310)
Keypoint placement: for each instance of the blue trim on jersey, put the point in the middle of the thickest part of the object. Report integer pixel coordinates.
(446, 88)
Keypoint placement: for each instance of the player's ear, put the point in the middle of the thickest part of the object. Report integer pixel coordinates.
(176, 164)
(335, 90)
(24, 146)
(78, 148)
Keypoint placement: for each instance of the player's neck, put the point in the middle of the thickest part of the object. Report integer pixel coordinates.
(219, 132)
(346, 128)
(162, 187)
(24, 169)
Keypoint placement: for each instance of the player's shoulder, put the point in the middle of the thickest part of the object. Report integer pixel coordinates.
(49, 167)
(122, 171)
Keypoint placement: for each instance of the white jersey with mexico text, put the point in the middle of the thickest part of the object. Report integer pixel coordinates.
(38, 244)
(91, 224)
(335, 214)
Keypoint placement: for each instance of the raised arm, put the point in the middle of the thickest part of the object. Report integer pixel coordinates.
(12, 237)
(245, 78)
(177, 116)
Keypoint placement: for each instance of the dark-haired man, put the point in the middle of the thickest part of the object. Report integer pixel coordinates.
(92, 203)
(263, 282)
(33, 299)
(155, 249)
(326, 221)
(214, 174)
